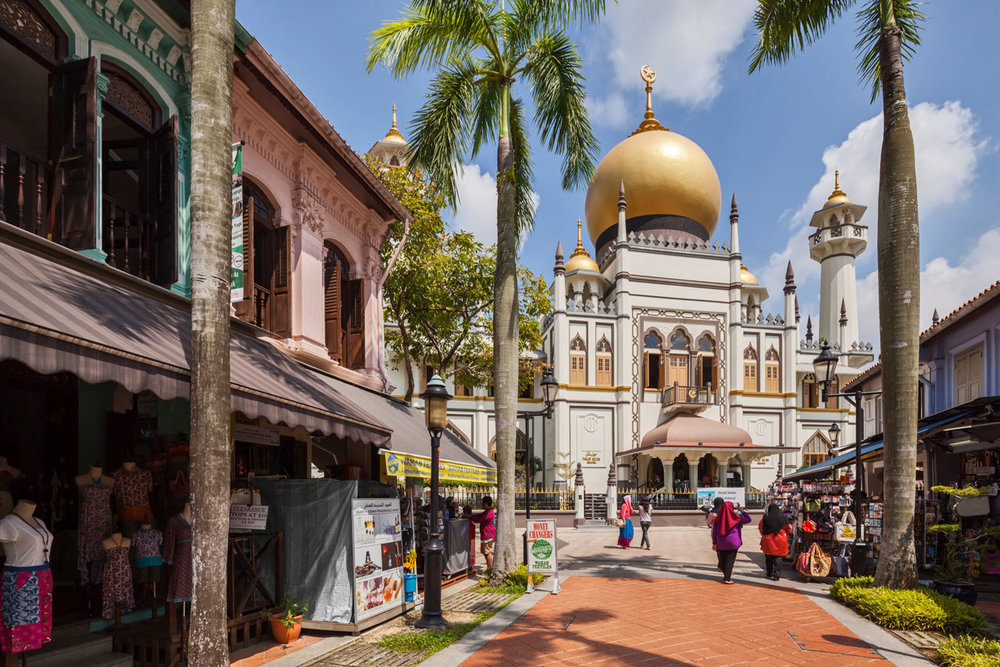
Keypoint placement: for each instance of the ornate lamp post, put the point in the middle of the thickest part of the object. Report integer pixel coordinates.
(825, 365)
(550, 387)
(436, 412)
(834, 432)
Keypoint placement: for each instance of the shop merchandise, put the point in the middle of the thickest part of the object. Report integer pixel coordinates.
(26, 597)
(117, 588)
(147, 541)
(94, 523)
(177, 554)
(132, 488)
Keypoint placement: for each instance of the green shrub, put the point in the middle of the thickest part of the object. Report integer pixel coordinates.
(516, 580)
(917, 609)
(969, 652)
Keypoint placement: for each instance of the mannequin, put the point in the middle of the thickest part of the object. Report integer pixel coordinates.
(177, 554)
(94, 523)
(148, 562)
(117, 595)
(8, 474)
(27, 581)
(132, 488)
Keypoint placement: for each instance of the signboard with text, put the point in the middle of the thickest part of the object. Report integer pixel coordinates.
(236, 291)
(247, 517)
(735, 495)
(378, 556)
(542, 546)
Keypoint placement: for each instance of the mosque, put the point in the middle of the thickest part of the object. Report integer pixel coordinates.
(674, 367)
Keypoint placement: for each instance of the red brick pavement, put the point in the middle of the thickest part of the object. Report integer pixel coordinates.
(675, 622)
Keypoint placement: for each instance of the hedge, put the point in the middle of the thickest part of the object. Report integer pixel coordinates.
(969, 652)
(917, 609)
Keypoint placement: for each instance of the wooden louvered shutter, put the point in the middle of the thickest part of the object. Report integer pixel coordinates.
(281, 308)
(73, 154)
(245, 308)
(976, 374)
(355, 324)
(331, 306)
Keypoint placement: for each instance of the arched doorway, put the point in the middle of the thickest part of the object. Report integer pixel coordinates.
(708, 467)
(682, 474)
(654, 473)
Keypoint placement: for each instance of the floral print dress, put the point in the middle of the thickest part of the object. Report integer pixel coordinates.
(94, 526)
(177, 554)
(117, 582)
(132, 489)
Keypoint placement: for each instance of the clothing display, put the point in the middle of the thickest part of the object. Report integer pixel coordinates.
(94, 527)
(147, 542)
(117, 581)
(26, 598)
(177, 554)
(132, 488)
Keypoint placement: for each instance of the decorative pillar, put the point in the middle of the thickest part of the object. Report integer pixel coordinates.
(668, 474)
(693, 458)
(612, 495)
(97, 252)
(578, 500)
(723, 469)
(746, 476)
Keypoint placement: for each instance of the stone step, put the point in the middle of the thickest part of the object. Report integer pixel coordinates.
(79, 651)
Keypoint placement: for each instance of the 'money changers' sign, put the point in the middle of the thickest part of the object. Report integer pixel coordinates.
(542, 546)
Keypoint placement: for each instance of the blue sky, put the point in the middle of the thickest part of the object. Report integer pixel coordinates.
(775, 137)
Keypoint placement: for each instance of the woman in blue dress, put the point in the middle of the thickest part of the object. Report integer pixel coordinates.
(627, 530)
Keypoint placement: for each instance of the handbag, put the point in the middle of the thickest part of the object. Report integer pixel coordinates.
(974, 506)
(808, 526)
(814, 562)
(842, 563)
(617, 523)
(846, 531)
(991, 562)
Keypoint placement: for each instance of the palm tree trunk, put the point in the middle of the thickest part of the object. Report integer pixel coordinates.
(505, 346)
(899, 310)
(211, 138)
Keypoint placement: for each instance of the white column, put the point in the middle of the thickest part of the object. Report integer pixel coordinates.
(668, 474)
(693, 470)
(723, 470)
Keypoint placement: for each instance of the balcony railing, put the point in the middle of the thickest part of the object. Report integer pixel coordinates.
(681, 395)
(128, 238)
(22, 188)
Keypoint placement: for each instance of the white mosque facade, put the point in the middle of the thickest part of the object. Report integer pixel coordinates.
(675, 366)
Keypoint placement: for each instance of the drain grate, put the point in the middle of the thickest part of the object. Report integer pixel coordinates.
(472, 602)
(362, 653)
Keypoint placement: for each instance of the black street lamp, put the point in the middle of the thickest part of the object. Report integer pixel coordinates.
(824, 365)
(550, 387)
(436, 412)
(834, 432)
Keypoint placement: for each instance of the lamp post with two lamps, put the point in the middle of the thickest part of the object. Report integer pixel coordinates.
(436, 398)
(550, 387)
(824, 365)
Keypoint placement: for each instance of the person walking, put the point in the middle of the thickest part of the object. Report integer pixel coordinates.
(487, 529)
(714, 512)
(627, 531)
(645, 521)
(727, 537)
(774, 531)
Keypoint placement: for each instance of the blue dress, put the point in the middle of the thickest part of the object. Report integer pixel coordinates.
(626, 532)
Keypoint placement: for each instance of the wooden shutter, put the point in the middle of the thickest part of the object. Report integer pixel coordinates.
(355, 324)
(245, 308)
(73, 154)
(976, 374)
(163, 202)
(281, 304)
(331, 307)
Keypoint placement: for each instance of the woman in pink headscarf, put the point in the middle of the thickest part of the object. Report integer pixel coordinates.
(627, 531)
(727, 537)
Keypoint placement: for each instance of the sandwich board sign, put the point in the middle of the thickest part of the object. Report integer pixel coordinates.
(542, 556)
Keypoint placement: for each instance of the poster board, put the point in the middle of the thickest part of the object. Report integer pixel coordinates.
(542, 556)
(377, 548)
(735, 495)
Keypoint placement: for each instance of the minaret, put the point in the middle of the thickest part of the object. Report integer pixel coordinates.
(734, 232)
(838, 240)
(392, 148)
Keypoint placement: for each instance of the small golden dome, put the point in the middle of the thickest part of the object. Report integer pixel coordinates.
(394, 136)
(581, 259)
(746, 277)
(665, 174)
(837, 196)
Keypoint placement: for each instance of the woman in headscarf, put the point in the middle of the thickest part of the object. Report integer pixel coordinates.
(727, 538)
(627, 531)
(774, 531)
(714, 512)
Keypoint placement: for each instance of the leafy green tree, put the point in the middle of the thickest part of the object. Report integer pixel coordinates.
(480, 51)
(888, 34)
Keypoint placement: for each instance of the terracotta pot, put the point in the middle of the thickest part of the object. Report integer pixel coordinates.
(284, 635)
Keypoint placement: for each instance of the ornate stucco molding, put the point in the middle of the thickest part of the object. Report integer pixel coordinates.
(309, 211)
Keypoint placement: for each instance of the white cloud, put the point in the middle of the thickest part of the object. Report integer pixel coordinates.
(610, 110)
(476, 211)
(685, 42)
(947, 150)
(943, 286)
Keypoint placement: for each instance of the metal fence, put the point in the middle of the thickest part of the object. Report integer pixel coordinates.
(681, 500)
(541, 498)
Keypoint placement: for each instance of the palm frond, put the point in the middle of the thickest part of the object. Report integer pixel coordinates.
(523, 174)
(555, 72)
(786, 26)
(439, 135)
(432, 33)
(486, 109)
(875, 17)
(529, 17)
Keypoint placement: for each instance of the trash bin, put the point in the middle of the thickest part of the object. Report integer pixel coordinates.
(409, 586)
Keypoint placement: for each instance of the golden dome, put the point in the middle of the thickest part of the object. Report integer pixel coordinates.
(665, 174)
(837, 196)
(746, 277)
(580, 259)
(394, 136)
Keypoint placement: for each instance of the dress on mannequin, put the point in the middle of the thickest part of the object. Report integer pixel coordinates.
(117, 578)
(26, 621)
(177, 554)
(94, 526)
(147, 541)
(132, 488)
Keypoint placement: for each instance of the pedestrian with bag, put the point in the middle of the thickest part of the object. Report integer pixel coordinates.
(774, 531)
(727, 537)
(645, 521)
(714, 512)
(626, 531)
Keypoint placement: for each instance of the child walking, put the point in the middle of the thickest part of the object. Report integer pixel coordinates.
(645, 521)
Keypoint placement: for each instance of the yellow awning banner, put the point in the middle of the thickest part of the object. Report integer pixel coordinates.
(408, 465)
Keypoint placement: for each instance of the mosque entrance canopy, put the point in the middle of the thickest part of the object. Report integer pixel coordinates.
(685, 432)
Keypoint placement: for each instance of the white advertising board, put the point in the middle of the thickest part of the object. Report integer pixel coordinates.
(735, 495)
(378, 556)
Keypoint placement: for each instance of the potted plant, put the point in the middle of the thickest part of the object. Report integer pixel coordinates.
(951, 576)
(286, 623)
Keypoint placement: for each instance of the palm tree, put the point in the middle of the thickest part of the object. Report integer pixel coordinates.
(480, 51)
(888, 33)
(212, 24)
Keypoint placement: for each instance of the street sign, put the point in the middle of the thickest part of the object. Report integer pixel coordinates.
(542, 555)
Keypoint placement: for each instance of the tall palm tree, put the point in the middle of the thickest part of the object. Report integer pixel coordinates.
(480, 51)
(212, 23)
(888, 33)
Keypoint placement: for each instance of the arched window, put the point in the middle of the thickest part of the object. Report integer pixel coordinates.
(706, 368)
(810, 391)
(750, 370)
(603, 363)
(772, 371)
(578, 362)
(266, 265)
(652, 346)
(343, 310)
(816, 450)
(678, 358)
